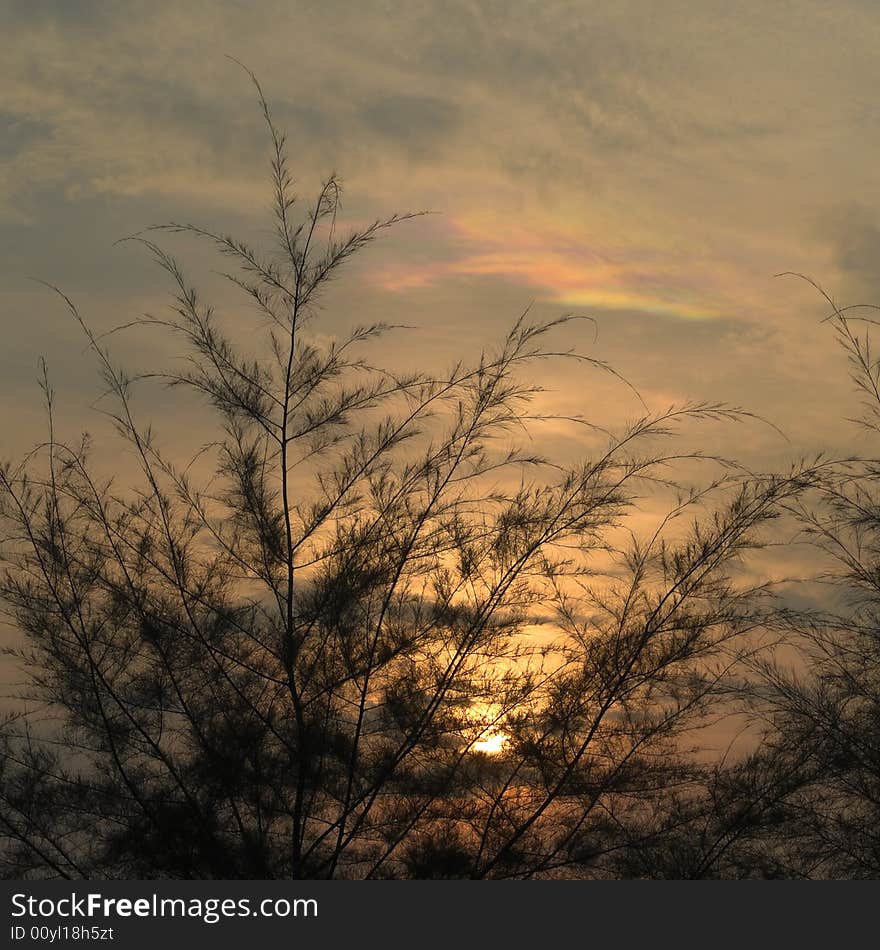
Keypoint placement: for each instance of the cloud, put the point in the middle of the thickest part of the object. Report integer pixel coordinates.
(420, 123)
(649, 163)
(857, 251)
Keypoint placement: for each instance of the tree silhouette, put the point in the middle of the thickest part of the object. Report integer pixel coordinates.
(822, 709)
(322, 661)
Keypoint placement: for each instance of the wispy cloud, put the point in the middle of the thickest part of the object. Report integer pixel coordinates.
(652, 164)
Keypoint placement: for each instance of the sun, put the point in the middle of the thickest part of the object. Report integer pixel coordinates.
(491, 743)
(490, 739)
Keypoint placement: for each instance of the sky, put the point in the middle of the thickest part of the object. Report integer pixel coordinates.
(649, 165)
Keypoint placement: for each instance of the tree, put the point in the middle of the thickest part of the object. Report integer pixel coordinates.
(821, 709)
(322, 661)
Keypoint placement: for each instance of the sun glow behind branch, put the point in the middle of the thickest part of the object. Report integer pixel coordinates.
(486, 717)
